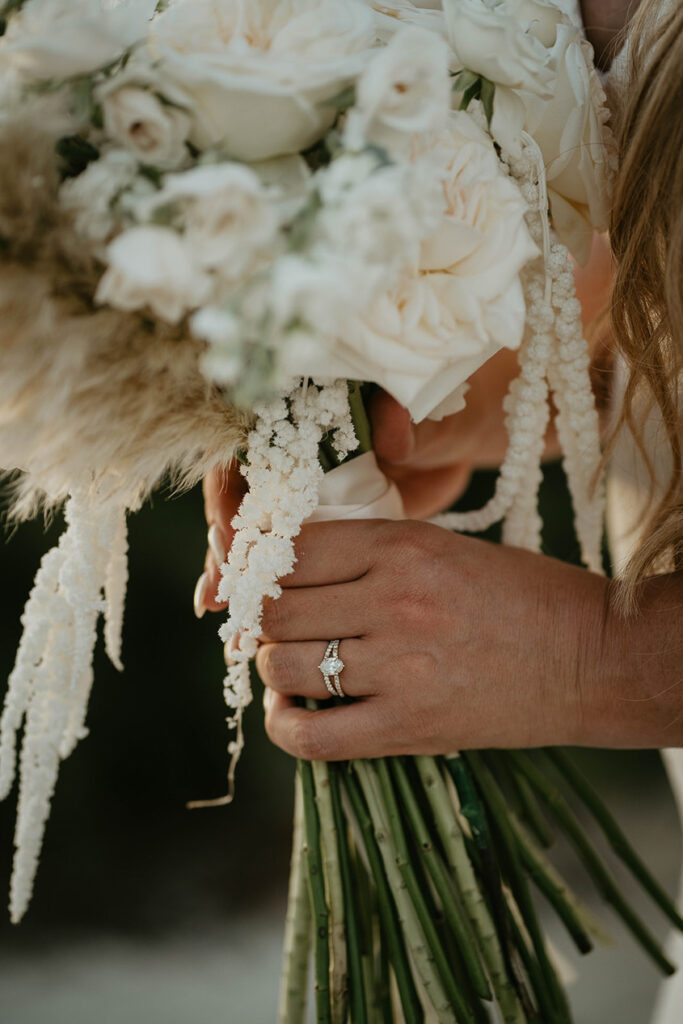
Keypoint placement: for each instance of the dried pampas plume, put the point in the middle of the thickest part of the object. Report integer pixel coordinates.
(90, 398)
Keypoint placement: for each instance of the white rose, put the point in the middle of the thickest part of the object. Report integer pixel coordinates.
(89, 197)
(423, 337)
(578, 150)
(154, 131)
(226, 213)
(258, 77)
(510, 44)
(405, 89)
(378, 215)
(506, 42)
(151, 267)
(547, 86)
(482, 240)
(63, 38)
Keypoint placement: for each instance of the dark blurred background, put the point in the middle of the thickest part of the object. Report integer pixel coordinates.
(145, 911)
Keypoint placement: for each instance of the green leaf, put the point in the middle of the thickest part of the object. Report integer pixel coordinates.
(486, 96)
(75, 153)
(343, 100)
(152, 174)
(10, 7)
(464, 80)
(471, 93)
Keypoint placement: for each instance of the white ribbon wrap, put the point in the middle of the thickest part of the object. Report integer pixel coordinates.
(358, 490)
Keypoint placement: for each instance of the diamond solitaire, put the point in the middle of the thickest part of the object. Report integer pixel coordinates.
(331, 666)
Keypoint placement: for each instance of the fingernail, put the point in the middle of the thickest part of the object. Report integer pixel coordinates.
(200, 595)
(267, 697)
(216, 542)
(229, 649)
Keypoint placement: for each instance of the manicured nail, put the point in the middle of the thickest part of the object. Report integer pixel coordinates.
(200, 595)
(217, 544)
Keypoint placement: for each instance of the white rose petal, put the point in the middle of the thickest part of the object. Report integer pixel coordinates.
(150, 266)
(154, 131)
(258, 76)
(89, 197)
(577, 146)
(392, 14)
(227, 214)
(405, 89)
(63, 38)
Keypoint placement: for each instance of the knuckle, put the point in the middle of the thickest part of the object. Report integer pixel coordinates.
(279, 667)
(272, 619)
(408, 543)
(307, 740)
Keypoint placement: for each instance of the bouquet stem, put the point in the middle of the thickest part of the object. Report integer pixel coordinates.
(458, 861)
(594, 866)
(297, 947)
(330, 842)
(321, 915)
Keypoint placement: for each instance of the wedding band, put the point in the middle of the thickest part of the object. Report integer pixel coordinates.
(331, 667)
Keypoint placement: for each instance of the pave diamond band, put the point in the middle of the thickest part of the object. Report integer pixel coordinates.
(331, 667)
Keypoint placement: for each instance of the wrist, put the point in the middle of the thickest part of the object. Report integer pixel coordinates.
(628, 692)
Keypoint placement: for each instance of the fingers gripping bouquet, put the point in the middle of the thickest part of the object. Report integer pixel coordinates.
(221, 222)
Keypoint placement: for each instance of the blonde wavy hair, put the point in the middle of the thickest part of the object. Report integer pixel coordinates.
(646, 233)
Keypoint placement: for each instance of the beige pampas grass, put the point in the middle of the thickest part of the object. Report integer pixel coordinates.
(90, 398)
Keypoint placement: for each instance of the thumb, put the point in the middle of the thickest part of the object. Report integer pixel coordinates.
(392, 429)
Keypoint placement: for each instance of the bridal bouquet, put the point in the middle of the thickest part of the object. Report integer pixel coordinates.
(222, 222)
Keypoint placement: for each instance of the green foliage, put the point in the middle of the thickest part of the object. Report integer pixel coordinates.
(342, 100)
(475, 87)
(75, 153)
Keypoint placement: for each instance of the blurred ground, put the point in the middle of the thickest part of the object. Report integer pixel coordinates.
(145, 912)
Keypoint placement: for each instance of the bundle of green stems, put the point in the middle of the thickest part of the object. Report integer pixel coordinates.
(411, 889)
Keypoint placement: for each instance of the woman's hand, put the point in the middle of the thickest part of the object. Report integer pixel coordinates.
(452, 643)
(448, 643)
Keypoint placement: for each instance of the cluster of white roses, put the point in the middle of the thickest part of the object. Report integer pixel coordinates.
(293, 176)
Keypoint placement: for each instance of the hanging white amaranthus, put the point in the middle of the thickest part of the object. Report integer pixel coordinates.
(79, 580)
(283, 473)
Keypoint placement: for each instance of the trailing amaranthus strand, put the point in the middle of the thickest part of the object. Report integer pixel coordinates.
(554, 359)
(51, 681)
(284, 473)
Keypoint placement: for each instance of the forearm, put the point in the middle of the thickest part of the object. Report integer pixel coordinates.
(628, 688)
